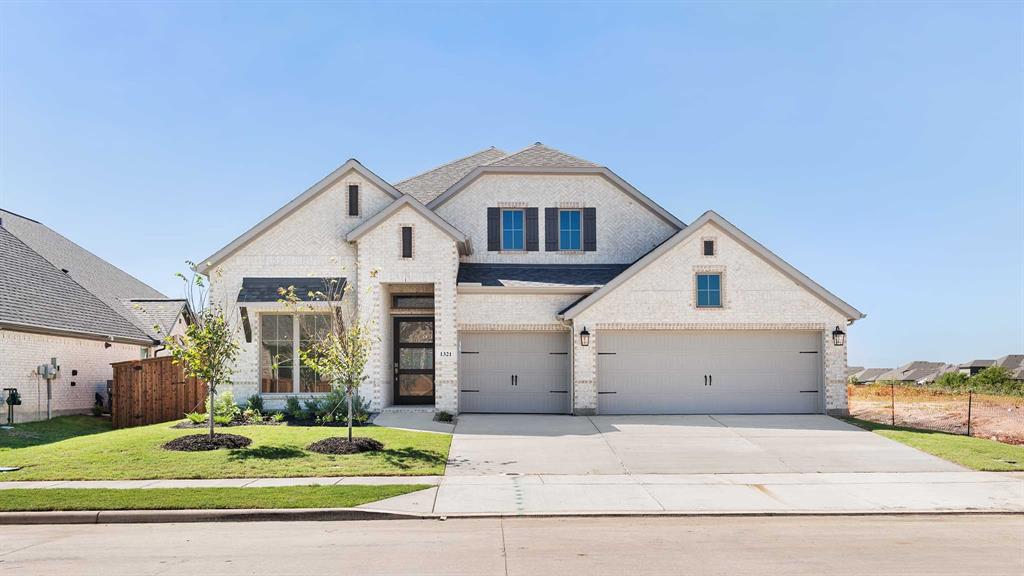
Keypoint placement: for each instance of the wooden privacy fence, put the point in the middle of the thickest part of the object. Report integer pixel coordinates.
(153, 390)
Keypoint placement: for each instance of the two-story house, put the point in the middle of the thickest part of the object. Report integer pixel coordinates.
(533, 282)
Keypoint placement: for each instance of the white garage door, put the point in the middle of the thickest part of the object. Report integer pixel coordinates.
(518, 372)
(713, 372)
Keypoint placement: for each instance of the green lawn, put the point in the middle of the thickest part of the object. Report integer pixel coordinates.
(973, 453)
(198, 498)
(52, 451)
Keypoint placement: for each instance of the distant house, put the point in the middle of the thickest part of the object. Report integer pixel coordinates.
(974, 366)
(1014, 363)
(918, 372)
(852, 371)
(869, 375)
(60, 301)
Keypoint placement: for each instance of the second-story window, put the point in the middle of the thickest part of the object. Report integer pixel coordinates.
(569, 231)
(512, 229)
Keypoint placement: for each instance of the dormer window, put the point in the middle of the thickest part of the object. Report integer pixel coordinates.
(512, 229)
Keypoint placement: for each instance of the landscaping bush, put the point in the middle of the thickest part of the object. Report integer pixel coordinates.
(444, 416)
(196, 418)
(225, 410)
(292, 409)
(255, 402)
(277, 417)
(252, 416)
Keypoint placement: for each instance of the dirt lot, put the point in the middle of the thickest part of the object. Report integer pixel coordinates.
(996, 417)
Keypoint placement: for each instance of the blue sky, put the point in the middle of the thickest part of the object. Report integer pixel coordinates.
(876, 147)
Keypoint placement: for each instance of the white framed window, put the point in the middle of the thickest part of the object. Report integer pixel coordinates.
(282, 337)
(513, 229)
(570, 230)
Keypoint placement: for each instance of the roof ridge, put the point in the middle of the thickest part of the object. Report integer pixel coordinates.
(542, 145)
(77, 283)
(449, 163)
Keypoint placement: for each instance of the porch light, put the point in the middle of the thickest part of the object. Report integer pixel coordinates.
(584, 337)
(838, 336)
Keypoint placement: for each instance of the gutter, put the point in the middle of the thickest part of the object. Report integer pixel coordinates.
(45, 330)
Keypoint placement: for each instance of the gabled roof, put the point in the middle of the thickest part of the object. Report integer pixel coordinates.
(538, 155)
(159, 316)
(428, 185)
(204, 266)
(978, 364)
(738, 235)
(407, 200)
(36, 296)
(538, 275)
(1011, 361)
(915, 371)
(870, 374)
(541, 159)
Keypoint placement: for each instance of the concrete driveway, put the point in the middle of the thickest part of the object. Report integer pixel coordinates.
(498, 444)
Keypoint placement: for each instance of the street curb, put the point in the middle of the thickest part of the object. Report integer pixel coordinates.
(182, 516)
(349, 514)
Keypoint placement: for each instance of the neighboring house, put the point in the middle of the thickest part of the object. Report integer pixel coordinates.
(57, 300)
(852, 371)
(1014, 363)
(974, 366)
(533, 282)
(870, 375)
(918, 372)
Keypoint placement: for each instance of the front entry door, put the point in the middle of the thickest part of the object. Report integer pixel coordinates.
(414, 360)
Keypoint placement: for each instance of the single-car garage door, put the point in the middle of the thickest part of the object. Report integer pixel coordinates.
(708, 372)
(524, 372)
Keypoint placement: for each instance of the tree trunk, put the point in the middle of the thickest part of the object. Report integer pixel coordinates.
(349, 413)
(210, 415)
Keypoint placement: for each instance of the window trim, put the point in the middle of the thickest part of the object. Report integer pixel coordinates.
(296, 346)
(348, 199)
(579, 230)
(721, 289)
(522, 229)
(714, 246)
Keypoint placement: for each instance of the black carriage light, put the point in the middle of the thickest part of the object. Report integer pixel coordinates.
(838, 336)
(584, 337)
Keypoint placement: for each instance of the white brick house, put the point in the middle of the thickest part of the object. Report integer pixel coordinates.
(534, 282)
(59, 301)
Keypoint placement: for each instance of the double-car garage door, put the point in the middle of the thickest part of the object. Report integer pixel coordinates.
(644, 372)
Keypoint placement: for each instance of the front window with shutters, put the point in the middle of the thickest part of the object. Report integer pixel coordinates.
(512, 229)
(569, 230)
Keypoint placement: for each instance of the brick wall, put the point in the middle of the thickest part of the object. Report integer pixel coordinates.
(22, 352)
(625, 228)
(756, 296)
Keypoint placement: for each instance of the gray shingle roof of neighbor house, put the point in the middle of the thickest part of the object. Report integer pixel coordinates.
(853, 370)
(538, 275)
(430, 184)
(868, 375)
(767, 255)
(915, 371)
(1011, 361)
(159, 315)
(268, 289)
(978, 364)
(36, 296)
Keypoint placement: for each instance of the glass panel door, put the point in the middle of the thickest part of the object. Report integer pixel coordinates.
(413, 355)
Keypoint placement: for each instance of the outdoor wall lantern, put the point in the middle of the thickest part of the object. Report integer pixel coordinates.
(838, 336)
(584, 337)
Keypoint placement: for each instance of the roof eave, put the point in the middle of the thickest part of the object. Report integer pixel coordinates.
(39, 329)
(408, 200)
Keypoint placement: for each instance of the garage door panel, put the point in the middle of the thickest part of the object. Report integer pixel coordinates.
(517, 372)
(663, 372)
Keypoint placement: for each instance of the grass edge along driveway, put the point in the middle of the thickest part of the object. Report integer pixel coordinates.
(974, 453)
(65, 499)
(80, 448)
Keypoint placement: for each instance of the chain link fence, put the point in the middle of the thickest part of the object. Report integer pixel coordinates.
(983, 415)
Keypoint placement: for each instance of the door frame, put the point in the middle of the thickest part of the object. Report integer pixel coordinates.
(397, 399)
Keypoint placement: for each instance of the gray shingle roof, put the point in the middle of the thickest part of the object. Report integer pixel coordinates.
(541, 155)
(978, 364)
(158, 315)
(430, 184)
(868, 375)
(542, 275)
(915, 371)
(266, 289)
(36, 295)
(103, 281)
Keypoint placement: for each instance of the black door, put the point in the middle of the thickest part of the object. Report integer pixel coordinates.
(414, 360)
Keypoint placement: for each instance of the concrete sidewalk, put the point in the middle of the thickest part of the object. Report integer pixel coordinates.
(714, 494)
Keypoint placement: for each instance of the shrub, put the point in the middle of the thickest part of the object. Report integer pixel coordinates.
(277, 417)
(222, 420)
(444, 416)
(996, 380)
(196, 417)
(952, 381)
(225, 407)
(292, 408)
(97, 410)
(255, 402)
(252, 416)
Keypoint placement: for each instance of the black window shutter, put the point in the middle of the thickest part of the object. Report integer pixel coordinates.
(493, 230)
(406, 241)
(590, 229)
(551, 229)
(532, 234)
(353, 200)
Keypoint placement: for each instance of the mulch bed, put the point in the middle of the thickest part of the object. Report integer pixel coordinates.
(338, 445)
(202, 442)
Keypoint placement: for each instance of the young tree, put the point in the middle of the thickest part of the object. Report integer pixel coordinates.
(209, 346)
(339, 352)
